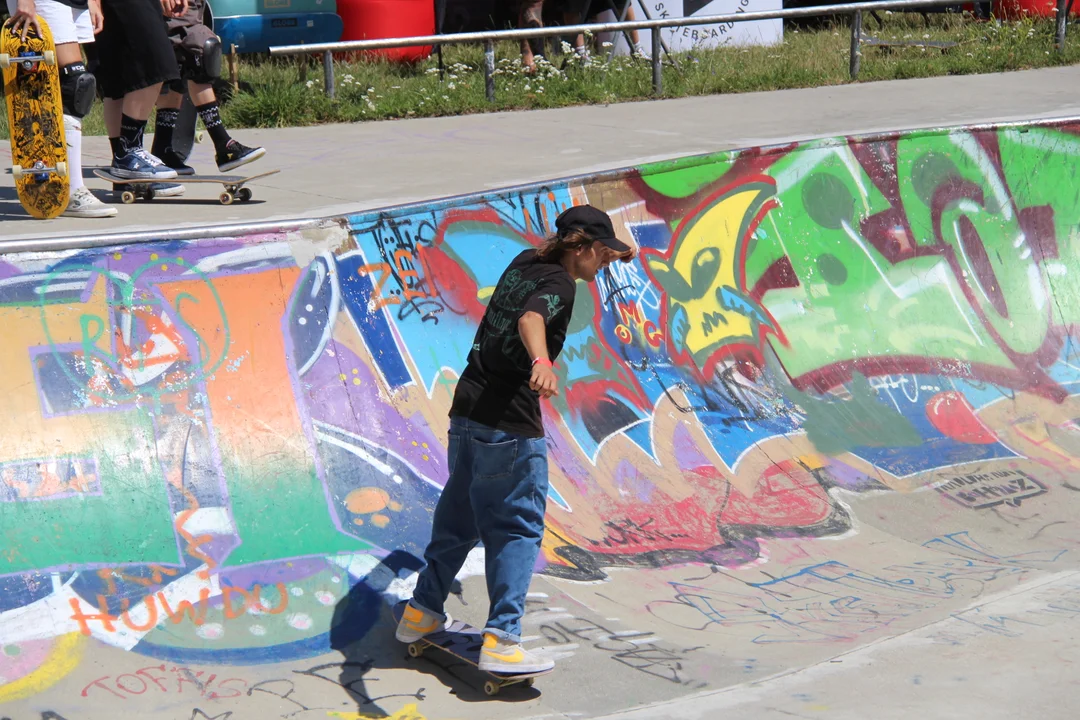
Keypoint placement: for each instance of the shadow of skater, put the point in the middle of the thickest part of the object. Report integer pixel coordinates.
(362, 630)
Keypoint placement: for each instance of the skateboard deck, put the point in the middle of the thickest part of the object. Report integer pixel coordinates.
(35, 120)
(184, 134)
(464, 642)
(140, 189)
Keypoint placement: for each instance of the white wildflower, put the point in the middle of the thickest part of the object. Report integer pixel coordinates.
(451, 86)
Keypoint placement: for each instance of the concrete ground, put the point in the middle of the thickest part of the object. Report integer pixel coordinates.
(334, 169)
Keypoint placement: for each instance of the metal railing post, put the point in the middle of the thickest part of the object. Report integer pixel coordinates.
(328, 73)
(1062, 21)
(489, 69)
(856, 43)
(657, 69)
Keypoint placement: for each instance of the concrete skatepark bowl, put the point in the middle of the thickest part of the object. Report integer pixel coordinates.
(816, 456)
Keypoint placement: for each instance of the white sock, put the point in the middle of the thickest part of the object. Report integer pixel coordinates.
(73, 135)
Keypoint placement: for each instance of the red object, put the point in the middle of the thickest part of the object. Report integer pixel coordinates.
(1016, 9)
(953, 416)
(378, 19)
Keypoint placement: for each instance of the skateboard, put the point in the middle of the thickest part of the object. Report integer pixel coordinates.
(464, 642)
(141, 189)
(35, 120)
(184, 134)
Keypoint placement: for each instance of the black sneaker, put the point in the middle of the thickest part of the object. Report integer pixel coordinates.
(236, 155)
(174, 161)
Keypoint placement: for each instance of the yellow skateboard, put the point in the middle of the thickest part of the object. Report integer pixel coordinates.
(35, 120)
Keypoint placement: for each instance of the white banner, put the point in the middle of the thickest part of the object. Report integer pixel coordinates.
(682, 39)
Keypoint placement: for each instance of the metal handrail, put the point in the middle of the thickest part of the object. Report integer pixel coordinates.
(555, 31)
(855, 9)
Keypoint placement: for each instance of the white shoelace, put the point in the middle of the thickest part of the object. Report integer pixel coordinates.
(148, 158)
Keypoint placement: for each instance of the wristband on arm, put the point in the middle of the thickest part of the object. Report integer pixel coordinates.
(542, 361)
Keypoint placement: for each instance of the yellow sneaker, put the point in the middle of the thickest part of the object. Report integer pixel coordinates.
(416, 623)
(509, 658)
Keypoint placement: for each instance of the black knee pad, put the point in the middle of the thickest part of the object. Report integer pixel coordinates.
(211, 58)
(201, 50)
(77, 89)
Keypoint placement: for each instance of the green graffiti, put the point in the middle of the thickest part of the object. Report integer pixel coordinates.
(675, 180)
(281, 510)
(838, 426)
(129, 300)
(129, 522)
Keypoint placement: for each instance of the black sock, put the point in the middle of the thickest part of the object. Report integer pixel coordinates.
(117, 147)
(212, 120)
(131, 132)
(163, 130)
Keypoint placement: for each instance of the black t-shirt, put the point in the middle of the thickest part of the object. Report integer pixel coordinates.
(77, 4)
(494, 388)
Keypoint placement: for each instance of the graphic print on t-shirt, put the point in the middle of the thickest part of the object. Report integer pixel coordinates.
(494, 389)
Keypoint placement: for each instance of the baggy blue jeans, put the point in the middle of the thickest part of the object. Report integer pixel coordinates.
(497, 494)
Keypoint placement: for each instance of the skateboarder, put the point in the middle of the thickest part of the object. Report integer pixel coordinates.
(72, 22)
(198, 53)
(497, 455)
(135, 59)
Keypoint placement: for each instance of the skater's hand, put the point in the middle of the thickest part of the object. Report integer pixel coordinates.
(543, 380)
(174, 8)
(97, 19)
(25, 17)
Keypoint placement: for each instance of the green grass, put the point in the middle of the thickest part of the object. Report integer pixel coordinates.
(277, 92)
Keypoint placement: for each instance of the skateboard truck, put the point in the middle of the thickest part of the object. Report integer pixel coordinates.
(28, 60)
(40, 170)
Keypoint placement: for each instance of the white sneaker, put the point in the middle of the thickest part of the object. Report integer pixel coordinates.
(509, 658)
(83, 204)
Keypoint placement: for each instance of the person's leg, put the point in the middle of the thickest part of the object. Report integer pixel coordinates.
(509, 499)
(453, 528)
(635, 36)
(140, 59)
(165, 118)
(70, 27)
(229, 153)
(530, 15)
(453, 536)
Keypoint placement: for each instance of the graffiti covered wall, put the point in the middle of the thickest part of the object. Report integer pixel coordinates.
(205, 444)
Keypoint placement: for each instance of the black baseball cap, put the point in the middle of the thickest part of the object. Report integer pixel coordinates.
(592, 221)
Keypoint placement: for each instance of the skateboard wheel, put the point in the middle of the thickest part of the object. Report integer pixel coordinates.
(5, 61)
(17, 171)
(61, 169)
(127, 197)
(226, 198)
(529, 683)
(244, 194)
(50, 57)
(491, 688)
(415, 650)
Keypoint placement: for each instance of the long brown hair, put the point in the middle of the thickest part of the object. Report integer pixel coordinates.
(553, 248)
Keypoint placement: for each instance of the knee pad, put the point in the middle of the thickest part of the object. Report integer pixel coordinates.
(211, 58)
(77, 89)
(201, 49)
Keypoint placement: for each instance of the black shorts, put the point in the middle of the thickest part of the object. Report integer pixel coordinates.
(133, 48)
